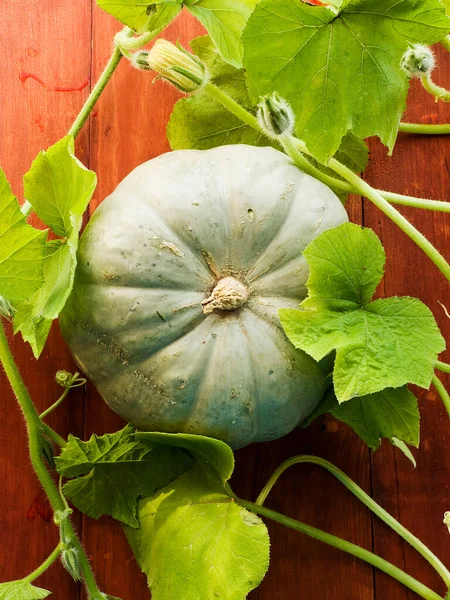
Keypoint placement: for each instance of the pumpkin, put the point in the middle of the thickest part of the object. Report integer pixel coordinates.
(181, 272)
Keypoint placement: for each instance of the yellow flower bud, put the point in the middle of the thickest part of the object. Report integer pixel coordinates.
(176, 65)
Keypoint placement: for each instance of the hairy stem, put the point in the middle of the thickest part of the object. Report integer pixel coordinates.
(127, 41)
(51, 433)
(365, 499)
(233, 106)
(435, 90)
(366, 190)
(353, 549)
(34, 431)
(333, 182)
(442, 366)
(338, 185)
(425, 128)
(96, 91)
(293, 147)
(440, 388)
(44, 566)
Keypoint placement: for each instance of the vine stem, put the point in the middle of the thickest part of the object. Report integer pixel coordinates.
(106, 75)
(44, 566)
(440, 388)
(425, 128)
(440, 93)
(366, 500)
(51, 433)
(294, 147)
(353, 549)
(34, 431)
(442, 366)
(352, 183)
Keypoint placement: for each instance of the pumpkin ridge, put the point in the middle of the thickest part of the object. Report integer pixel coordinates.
(256, 418)
(287, 210)
(192, 244)
(197, 255)
(164, 345)
(205, 367)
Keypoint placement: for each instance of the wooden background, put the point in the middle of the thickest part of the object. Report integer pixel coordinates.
(51, 52)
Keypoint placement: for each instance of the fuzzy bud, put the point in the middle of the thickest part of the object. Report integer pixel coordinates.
(418, 61)
(70, 558)
(63, 378)
(177, 66)
(275, 116)
(6, 309)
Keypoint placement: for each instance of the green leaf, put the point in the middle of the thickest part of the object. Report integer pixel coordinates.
(225, 21)
(116, 470)
(21, 590)
(339, 68)
(59, 188)
(195, 541)
(22, 250)
(391, 414)
(406, 451)
(143, 16)
(201, 122)
(380, 344)
(212, 455)
(353, 153)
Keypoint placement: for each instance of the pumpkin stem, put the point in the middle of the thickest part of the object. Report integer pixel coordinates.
(228, 294)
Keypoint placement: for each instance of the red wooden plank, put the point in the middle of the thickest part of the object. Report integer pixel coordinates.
(38, 41)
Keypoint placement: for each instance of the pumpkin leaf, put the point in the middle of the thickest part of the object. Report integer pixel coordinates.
(194, 540)
(59, 188)
(338, 67)
(379, 344)
(142, 16)
(214, 456)
(21, 590)
(22, 250)
(112, 471)
(391, 414)
(225, 22)
(201, 122)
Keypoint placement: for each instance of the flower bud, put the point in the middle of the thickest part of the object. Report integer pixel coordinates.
(6, 309)
(275, 116)
(70, 559)
(418, 60)
(177, 66)
(63, 378)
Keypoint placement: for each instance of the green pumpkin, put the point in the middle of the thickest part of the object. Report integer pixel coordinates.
(181, 272)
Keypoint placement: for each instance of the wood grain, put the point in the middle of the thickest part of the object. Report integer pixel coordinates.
(53, 41)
